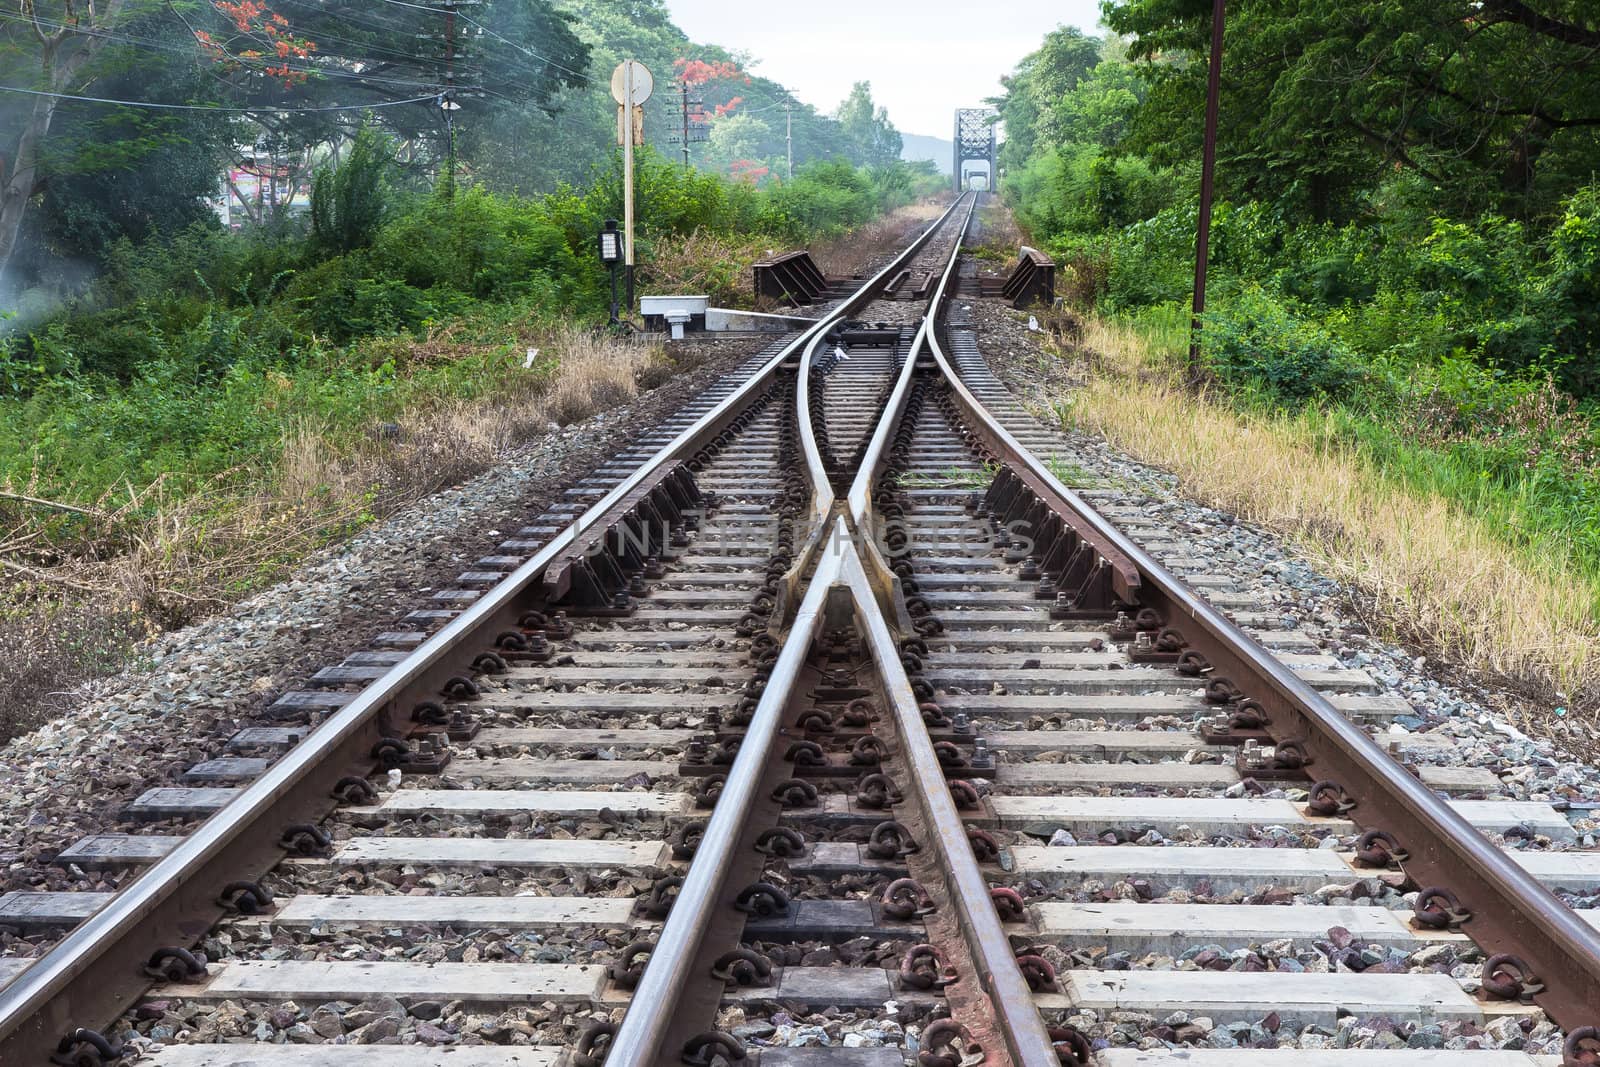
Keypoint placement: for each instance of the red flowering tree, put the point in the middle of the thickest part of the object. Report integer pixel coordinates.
(748, 170)
(260, 42)
(698, 73)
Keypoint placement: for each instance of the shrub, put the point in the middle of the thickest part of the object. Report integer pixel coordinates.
(351, 202)
(341, 299)
(1256, 344)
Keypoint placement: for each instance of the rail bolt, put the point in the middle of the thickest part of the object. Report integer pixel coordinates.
(702, 1050)
(86, 1048)
(905, 898)
(762, 899)
(743, 967)
(1508, 977)
(782, 841)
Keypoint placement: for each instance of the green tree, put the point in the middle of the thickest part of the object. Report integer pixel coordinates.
(736, 137)
(351, 202)
(1034, 91)
(873, 140)
(51, 46)
(1480, 98)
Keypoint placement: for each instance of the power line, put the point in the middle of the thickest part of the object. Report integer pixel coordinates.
(151, 43)
(215, 107)
(546, 60)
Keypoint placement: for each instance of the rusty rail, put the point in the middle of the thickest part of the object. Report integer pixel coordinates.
(1511, 912)
(1028, 1041)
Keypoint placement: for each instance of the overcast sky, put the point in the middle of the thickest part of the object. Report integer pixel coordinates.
(924, 59)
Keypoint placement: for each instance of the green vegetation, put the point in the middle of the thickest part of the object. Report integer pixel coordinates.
(1405, 255)
(1401, 356)
(402, 283)
(199, 354)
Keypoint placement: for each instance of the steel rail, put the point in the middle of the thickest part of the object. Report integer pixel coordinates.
(859, 498)
(1000, 977)
(32, 1020)
(22, 1001)
(1512, 911)
(638, 1039)
(823, 497)
(637, 1042)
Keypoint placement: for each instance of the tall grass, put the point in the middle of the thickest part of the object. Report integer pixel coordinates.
(1436, 559)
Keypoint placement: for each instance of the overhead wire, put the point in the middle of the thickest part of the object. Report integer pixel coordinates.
(219, 107)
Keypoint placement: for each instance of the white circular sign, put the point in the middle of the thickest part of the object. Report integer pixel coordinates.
(643, 83)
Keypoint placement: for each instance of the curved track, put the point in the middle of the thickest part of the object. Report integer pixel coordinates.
(776, 744)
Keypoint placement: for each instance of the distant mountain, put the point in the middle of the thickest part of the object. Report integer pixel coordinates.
(915, 146)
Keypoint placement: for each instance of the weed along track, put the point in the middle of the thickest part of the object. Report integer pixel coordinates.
(829, 727)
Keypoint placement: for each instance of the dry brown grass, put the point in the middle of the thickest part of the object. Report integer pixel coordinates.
(852, 253)
(706, 264)
(1426, 573)
(998, 236)
(161, 559)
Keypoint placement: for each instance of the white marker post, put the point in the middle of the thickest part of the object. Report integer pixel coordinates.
(631, 86)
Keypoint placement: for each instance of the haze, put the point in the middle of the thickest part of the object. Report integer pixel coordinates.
(819, 48)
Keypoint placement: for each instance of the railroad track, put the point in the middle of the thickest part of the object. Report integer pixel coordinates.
(827, 726)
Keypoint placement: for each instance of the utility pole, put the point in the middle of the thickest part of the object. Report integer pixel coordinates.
(1208, 170)
(448, 102)
(788, 136)
(693, 128)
